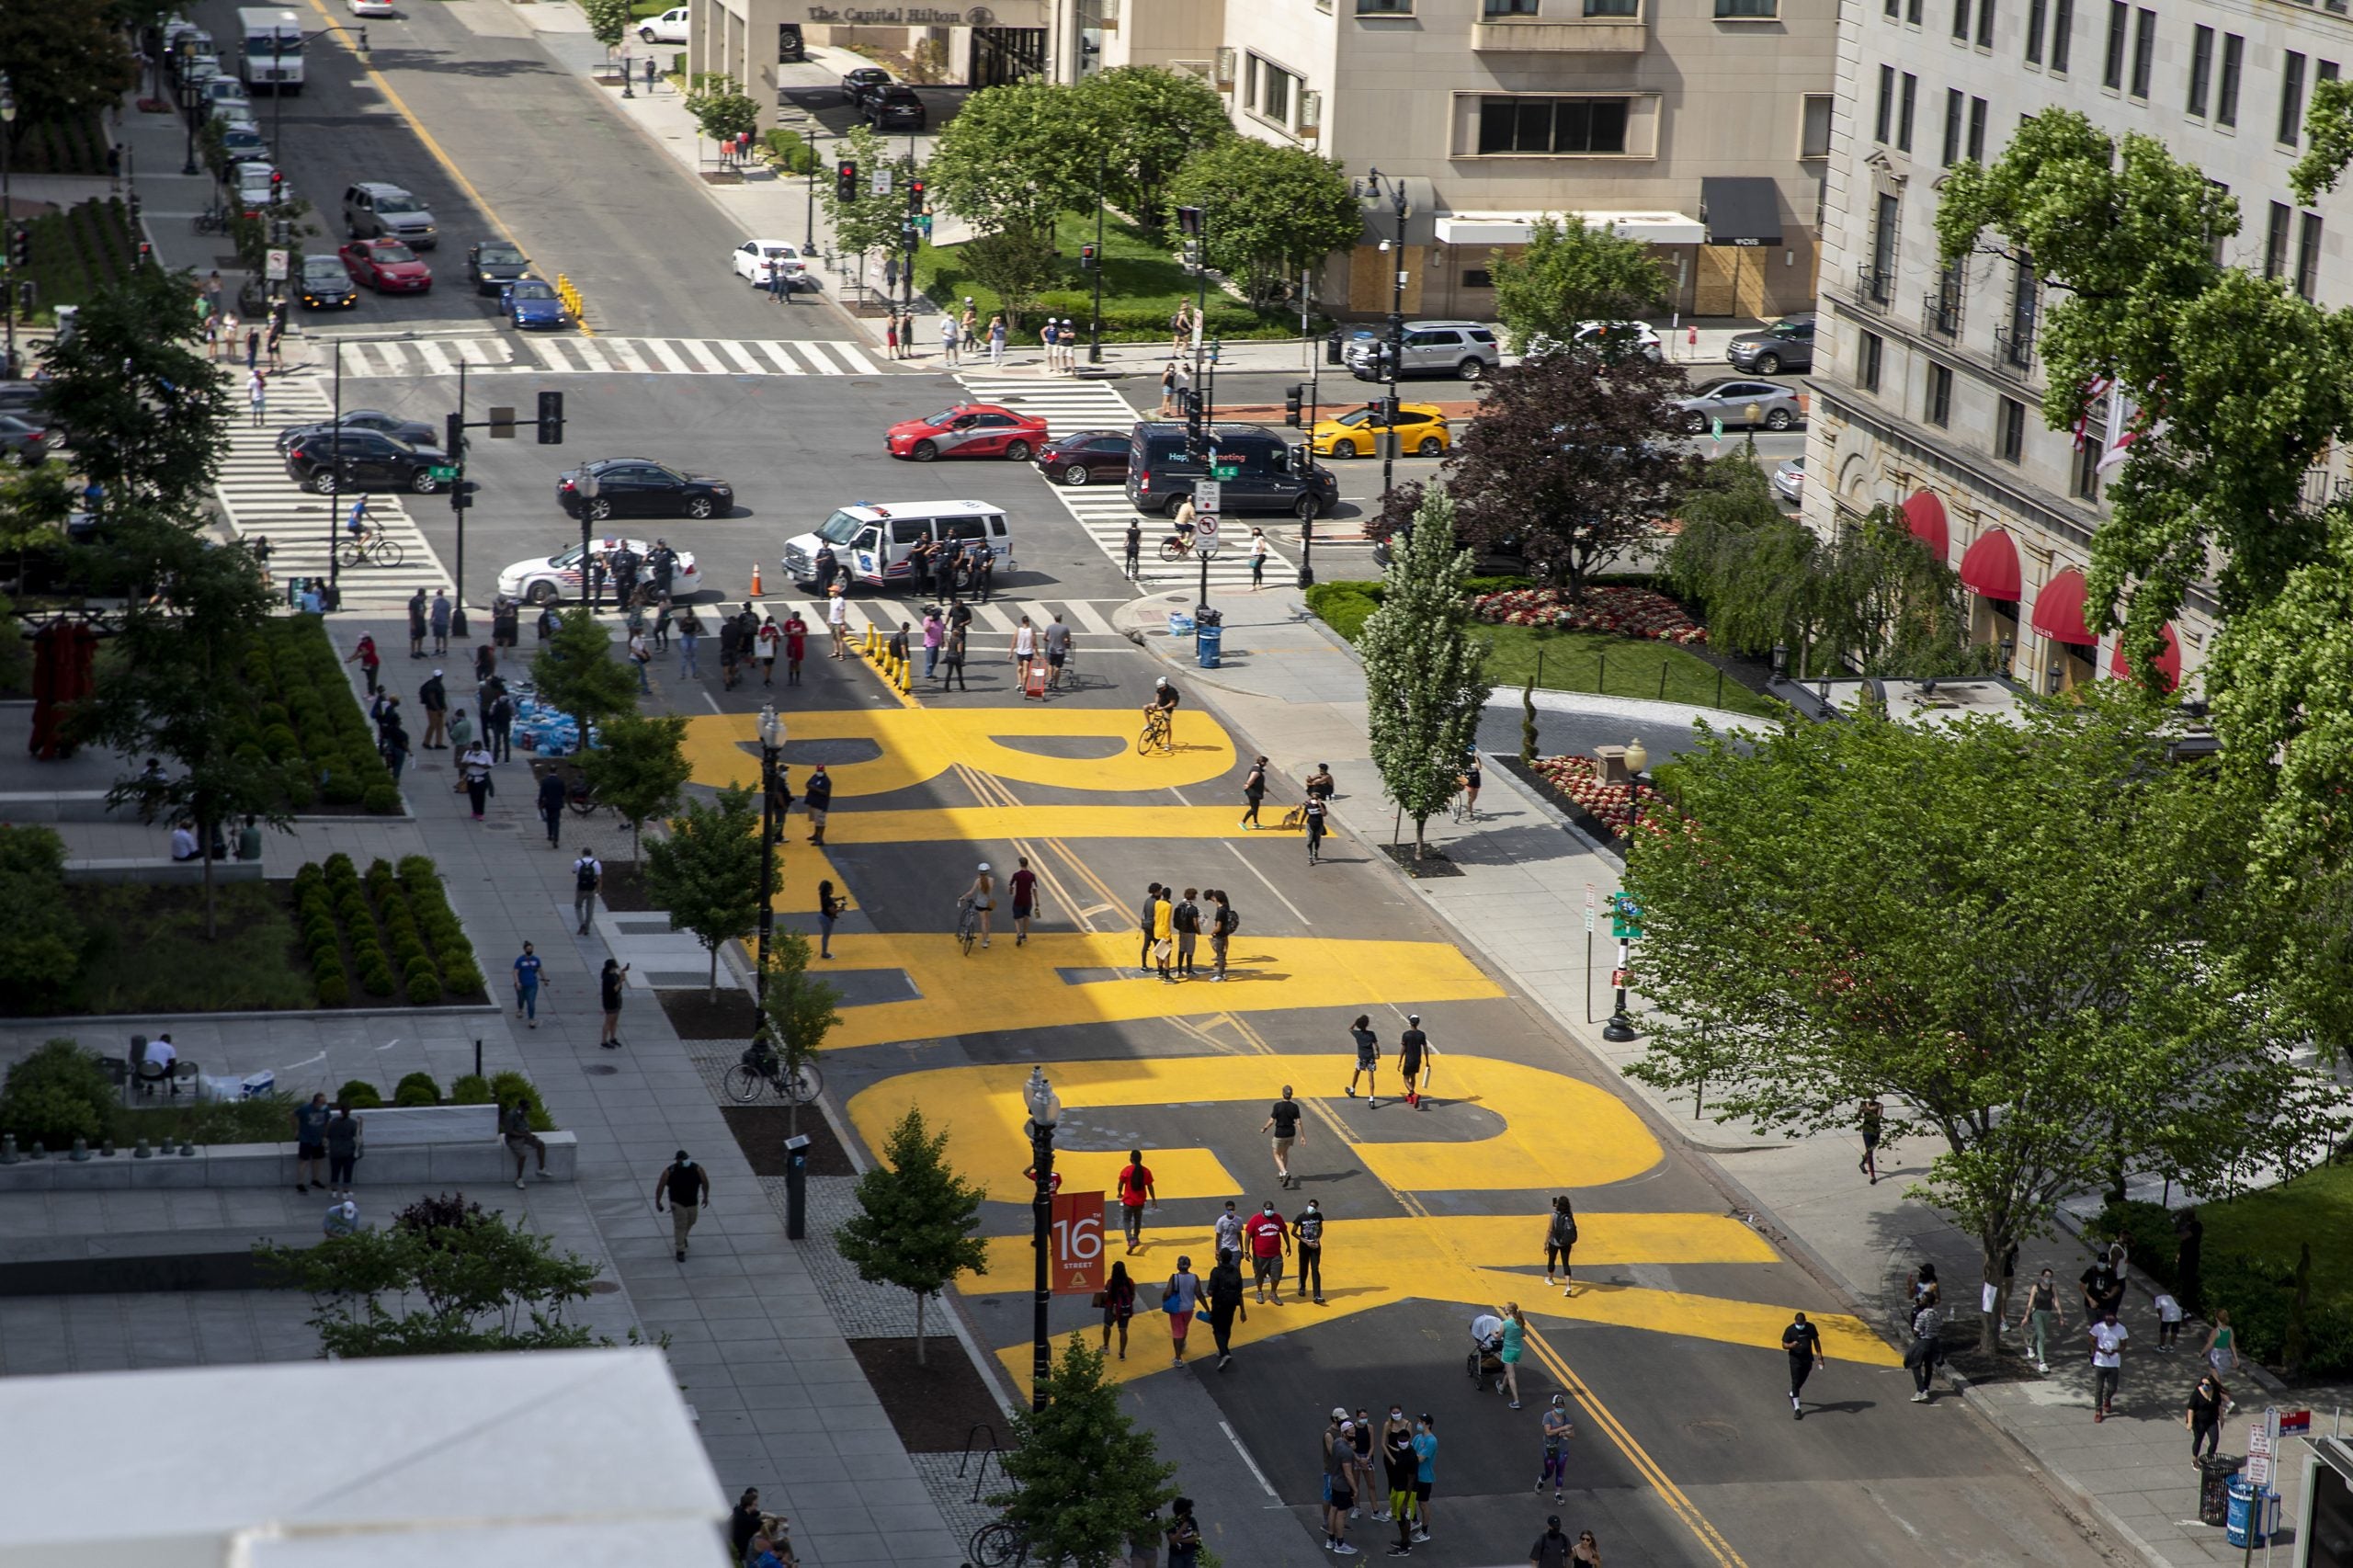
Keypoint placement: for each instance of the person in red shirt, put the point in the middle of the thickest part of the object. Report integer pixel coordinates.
(1135, 1190)
(367, 659)
(1269, 1239)
(1023, 885)
(796, 643)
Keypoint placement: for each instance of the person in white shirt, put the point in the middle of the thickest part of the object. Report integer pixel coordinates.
(1025, 650)
(184, 843)
(2108, 1338)
(838, 614)
(157, 1060)
(1257, 559)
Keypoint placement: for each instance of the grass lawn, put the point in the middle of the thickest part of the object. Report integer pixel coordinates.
(1142, 284)
(1619, 667)
(2277, 1221)
(156, 958)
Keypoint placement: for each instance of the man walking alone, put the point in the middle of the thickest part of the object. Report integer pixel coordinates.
(687, 1187)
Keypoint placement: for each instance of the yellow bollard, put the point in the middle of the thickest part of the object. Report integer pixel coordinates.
(906, 676)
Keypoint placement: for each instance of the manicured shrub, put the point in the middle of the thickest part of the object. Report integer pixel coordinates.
(471, 1088)
(421, 966)
(416, 1089)
(424, 989)
(338, 867)
(359, 1094)
(381, 800)
(376, 979)
(333, 989)
(56, 1094)
(343, 787)
(462, 977)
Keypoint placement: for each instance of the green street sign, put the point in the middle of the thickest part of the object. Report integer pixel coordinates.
(443, 472)
(1625, 918)
(1222, 472)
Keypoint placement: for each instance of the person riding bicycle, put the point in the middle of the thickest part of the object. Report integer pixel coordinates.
(1182, 521)
(980, 898)
(1162, 709)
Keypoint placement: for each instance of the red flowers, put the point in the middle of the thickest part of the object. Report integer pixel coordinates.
(1620, 612)
(1579, 779)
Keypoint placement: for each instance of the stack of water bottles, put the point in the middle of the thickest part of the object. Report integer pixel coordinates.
(541, 729)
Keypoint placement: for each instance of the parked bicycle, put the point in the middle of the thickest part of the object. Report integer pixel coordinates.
(761, 1064)
(212, 220)
(999, 1545)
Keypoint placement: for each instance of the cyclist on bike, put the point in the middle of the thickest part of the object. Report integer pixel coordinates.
(1161, 711)
(980, 898)
(356, 525)
(1182, 521)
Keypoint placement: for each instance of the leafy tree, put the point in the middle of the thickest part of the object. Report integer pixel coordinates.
(916, 1221)
(458, 1281)
(1150, 121)
(1425, 674)
(802, 1009)
(1575, 457)
(1083, 1473)
(577, 674)
(64, 57)
(720, 108)
(1270, 212)
(639, 768)
(1015, 262)
(866, 221)
(1857, 909)
(706, 872)
(1573, 272)
(1020, 154)
(608, 21)
(150, 413)
(42, 940)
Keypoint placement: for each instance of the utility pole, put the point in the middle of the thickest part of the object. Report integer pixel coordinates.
(1095, 339)
(1396, 344)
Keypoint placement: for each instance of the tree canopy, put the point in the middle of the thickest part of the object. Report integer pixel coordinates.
(64, 56)
(707, 872)
(917, 1220)
(1572, 272)
(1425, 671)
(1016, 156)
(576, 674)
(148, 410)
(1271, 213)
(1084, 1475)
(639, 768)
(1150, 121)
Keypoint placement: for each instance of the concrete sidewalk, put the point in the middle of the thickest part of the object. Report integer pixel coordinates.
(1290, 686)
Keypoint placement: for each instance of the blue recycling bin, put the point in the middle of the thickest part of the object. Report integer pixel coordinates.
(2253, 1512)
(1209, 638)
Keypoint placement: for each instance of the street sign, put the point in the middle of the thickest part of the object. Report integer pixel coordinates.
(1205, 540)
(2295, 1423)
(1206, 495)
(445, 472)
(881, 184)
(1225, 470)
(2262, 1443)
(1077, 1238)
(274, 267)
(1588, 908)
(1716, 427)
(1625, 918)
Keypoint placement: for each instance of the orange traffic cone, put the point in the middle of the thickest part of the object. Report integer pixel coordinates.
(755, 579)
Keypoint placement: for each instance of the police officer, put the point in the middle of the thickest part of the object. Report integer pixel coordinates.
(625, 564)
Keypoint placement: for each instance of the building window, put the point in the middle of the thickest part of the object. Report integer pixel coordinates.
(2035, 13)
(2111, 74)
(2292, 98)
(1912, 12)
(2308, 255)
(1814, 126)
(1478, 278)
(1985, 24)
(1748, 9)
(1384, 7)
(1869, 351)
(1882, 277)
(1977, 111)
(1938, 408)
(2062, 33)
(2201, 69)
(1895, 9)
(2226, 96)
(2145, 51)
(1539, 127)
(2326, 73)
(1613, 7)
(2088, 455)
(1886, 102)
(1961, 20)
(2274, 241)
(2010, 431)
(1511, 7)
(1944, 305)
(1277, 90)
(1903, 112)
(2017, 335)
(1250, 82)
(1954, 103)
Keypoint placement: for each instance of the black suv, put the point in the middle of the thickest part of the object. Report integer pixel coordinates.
(368, 461)
(859, 83)
(1161, 477)
(895, 107)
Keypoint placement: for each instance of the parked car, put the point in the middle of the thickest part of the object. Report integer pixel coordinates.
(493, 264)
(372, 8)
(362, 460)
(791, 49)
(1461, 348)
(243, 147)
(639, 487)
(670, 26)
(1789, 481)
(547, 578)
(529, 303)
(1740, 403)
(254, 187)
(226, 92)
(414, 432)
(1421, 430)
(324, 283)
(752, 259)
(23, 444)
(1161, 477)
(386, 266)
(372, 208)
(1085, 457)
(1787, 345)
(893, 107)
(857, 84)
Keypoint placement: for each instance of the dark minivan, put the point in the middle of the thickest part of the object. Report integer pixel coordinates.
(1160, 476)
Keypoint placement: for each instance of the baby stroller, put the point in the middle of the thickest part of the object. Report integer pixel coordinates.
(1486, 1360)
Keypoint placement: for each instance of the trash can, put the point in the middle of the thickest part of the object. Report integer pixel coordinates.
(2253, 1517)
(1209, 638)
(796, 1188)
(2215, 1473)
(1332, 354)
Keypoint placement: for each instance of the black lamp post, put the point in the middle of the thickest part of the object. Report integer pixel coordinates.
(185, 91)
(1620, 1026)
(1045, 1109)
(772, 733)
(1094, 335)
(1397, 328)
(8, 225)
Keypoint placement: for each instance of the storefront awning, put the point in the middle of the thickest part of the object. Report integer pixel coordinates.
(2168, 662)
(1924, 514)
(1741, 210)
(1991, 567)
(1512, 228)
(2059, 610)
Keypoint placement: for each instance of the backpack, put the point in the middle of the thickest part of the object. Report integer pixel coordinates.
(585, 876)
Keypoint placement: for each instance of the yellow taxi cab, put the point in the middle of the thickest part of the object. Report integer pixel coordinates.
(1421, 431)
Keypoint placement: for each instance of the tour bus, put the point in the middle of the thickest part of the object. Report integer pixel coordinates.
(273, 49)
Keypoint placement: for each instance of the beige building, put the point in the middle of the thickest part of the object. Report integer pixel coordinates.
(1701, 126)
(977, 45)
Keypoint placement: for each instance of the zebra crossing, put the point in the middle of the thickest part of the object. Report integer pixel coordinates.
(486, 354)
(1088, 619)
(1103, 510)
(259, 500)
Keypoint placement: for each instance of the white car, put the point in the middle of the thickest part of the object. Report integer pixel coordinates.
(226, 93)
(554, 577)
(373, 8)
(670, 26)
(753, 259)
(1789, 481)
(253, 185)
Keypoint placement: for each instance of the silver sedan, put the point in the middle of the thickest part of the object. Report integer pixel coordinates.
(1738, 404)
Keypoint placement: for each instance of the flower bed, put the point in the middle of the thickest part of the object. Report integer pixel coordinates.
(392, 930)
(1578, 781)
(1618, 611)
(306, 721)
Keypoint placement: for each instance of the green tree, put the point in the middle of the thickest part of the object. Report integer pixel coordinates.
(56, 1094)
(866, 221)
(149, 412)
(1015, 262)
(42, 940)
(1572, 272)
(917, 1221)
(1149, 120)
(639, 768)
(706, 872)
(608, 21)
(65, 57)
(802, 1009)
(1270, 212)
(720, 108)
(577, 672)
(1020, 154)
(1425, 673)
(1083, 1473)
(1859, 909)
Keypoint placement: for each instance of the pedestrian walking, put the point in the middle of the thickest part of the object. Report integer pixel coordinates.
(1143, 924)
(1132, 550)
(2221, 1349)
(640, 656)
(1311, 816)
(1179, 1299)
(344, 1136)
(1185, 919)
(1415, 1053)
(968, 326)
(1118, 1301)
(1168, 390)
(796, 646)
(686, 1187)
(1024, 652)
(935, 634)
(529, 975)
(1872, 1113)
(1283, 1124)
(257, 394)
(777, 282)
(2103, 1289)
(364, 655)
(552, 803)
(1425, 1472)
(1367, 1046)
(1396, 1443)
(434, 697)
(1515, 1346)
(515, 1127)
(417, 624)
(1136, 1190)
(587, 876)
(830, 905)
(955, 662)
(2107, 1336)
(1269, 1241)
(1803, 1342)
(1023, 887)
(818, 800)
(1557, 1433)
(1258, 549)
(2043, 1307)
(310, 1144)
(1224, 923)
(1184, 1535)
(948, 338)
(1926, 1350)
(1588, 1552)
(837, 620)
(1360, 1480)
(227, 340)
(277, 332)
(2208, 1402)
(731, 650)
(689, 640)
(2169, 1319)
(1057, 646)
(1560, 1236)
(612, 984)
(1339, 1471)
(438, 616)
(890, 335)
(474, 770)
(1253, 794)
(996, 341)
(1225, 1305)
(1307, 1229)
(1551, 1548)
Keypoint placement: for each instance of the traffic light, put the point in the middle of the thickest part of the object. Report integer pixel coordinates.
(1086, 258)
(453, 435)
(1192, 420)
(277, 186)
(846, 180)
(550, 419)
(24, 298)
(146, 252)
(914, 196)
(1293, 396)
(1384, 412)
(20, 245)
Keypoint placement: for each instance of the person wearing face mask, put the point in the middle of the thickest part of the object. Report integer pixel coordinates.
(2043, 1307)
(1397, 1460)
(1270, 1240)
(1224, 1305)
(1307, 1229)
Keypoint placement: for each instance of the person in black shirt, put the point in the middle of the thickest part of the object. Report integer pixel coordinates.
(2207, 1401)
(609, 984)
(744, 1523)
(1226, 1303)
(1367, 1059)
(1307, 1229)
(1551, 1548)
(686, 1187)
(1283, 1123)
(1412, 1046)
(551, 798)
(1803, 1342)
(2103, 1290)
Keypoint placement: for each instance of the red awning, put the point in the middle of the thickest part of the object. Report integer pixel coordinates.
(1924, 514)
(2168, 662)
(1991, 567)
(2059, 610)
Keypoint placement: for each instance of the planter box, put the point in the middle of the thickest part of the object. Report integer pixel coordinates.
(470, 1162)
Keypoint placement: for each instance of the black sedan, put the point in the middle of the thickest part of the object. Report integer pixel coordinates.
(325, 284)
(413, 432)
(893, 107)
(866, 79)
(1085, 457)
(639, 487)
(363, 459)
(493, 264)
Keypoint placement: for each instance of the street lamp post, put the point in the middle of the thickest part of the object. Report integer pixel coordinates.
(7, 224)
(1396, 327)
(1094, 335)
(1620, 1026)
(184, 93)
(772, 732)
(1045, 1109)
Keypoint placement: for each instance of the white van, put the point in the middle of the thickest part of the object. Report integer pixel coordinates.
(871, 541)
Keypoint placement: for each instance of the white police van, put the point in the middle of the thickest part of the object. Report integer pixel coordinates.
(871, 540)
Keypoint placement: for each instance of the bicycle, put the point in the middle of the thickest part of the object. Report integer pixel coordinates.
(1177, 547)
(1460, 807)
(1156, 733)
(368, 549)
(212, 220)
(968, 924)
(999, 1545)
(761, 1064)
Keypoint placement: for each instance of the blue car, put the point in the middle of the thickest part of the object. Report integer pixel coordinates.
(527, 303)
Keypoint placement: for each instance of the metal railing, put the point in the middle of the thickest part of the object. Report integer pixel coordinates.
(2014, 348)
(1873, 287)
(1940, 311)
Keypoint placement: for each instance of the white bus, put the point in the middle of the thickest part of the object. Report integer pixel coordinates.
(273, 49)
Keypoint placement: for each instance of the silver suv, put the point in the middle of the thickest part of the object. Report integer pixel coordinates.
(1461, 348)
(371, 209)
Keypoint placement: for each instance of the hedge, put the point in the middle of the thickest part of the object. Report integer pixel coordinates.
(393, 929)
(2258, 1292)
(56, 1094)
(302, 716)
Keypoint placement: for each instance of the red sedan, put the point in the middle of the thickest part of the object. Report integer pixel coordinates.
(386, 266)
(969, 430)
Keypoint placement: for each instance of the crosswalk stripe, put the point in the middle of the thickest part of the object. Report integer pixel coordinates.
(436, 357)
(737, 352)
(475, 351)
(1090, 619)
(782, 354)
(561, 355)
(850, 354)
(624, 351)
(998, 617)
(663, 351)
(993, 619)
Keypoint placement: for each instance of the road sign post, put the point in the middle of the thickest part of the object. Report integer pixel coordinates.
(1205, 546)
(276, 264)
(1589, 902)
(1625, 924)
